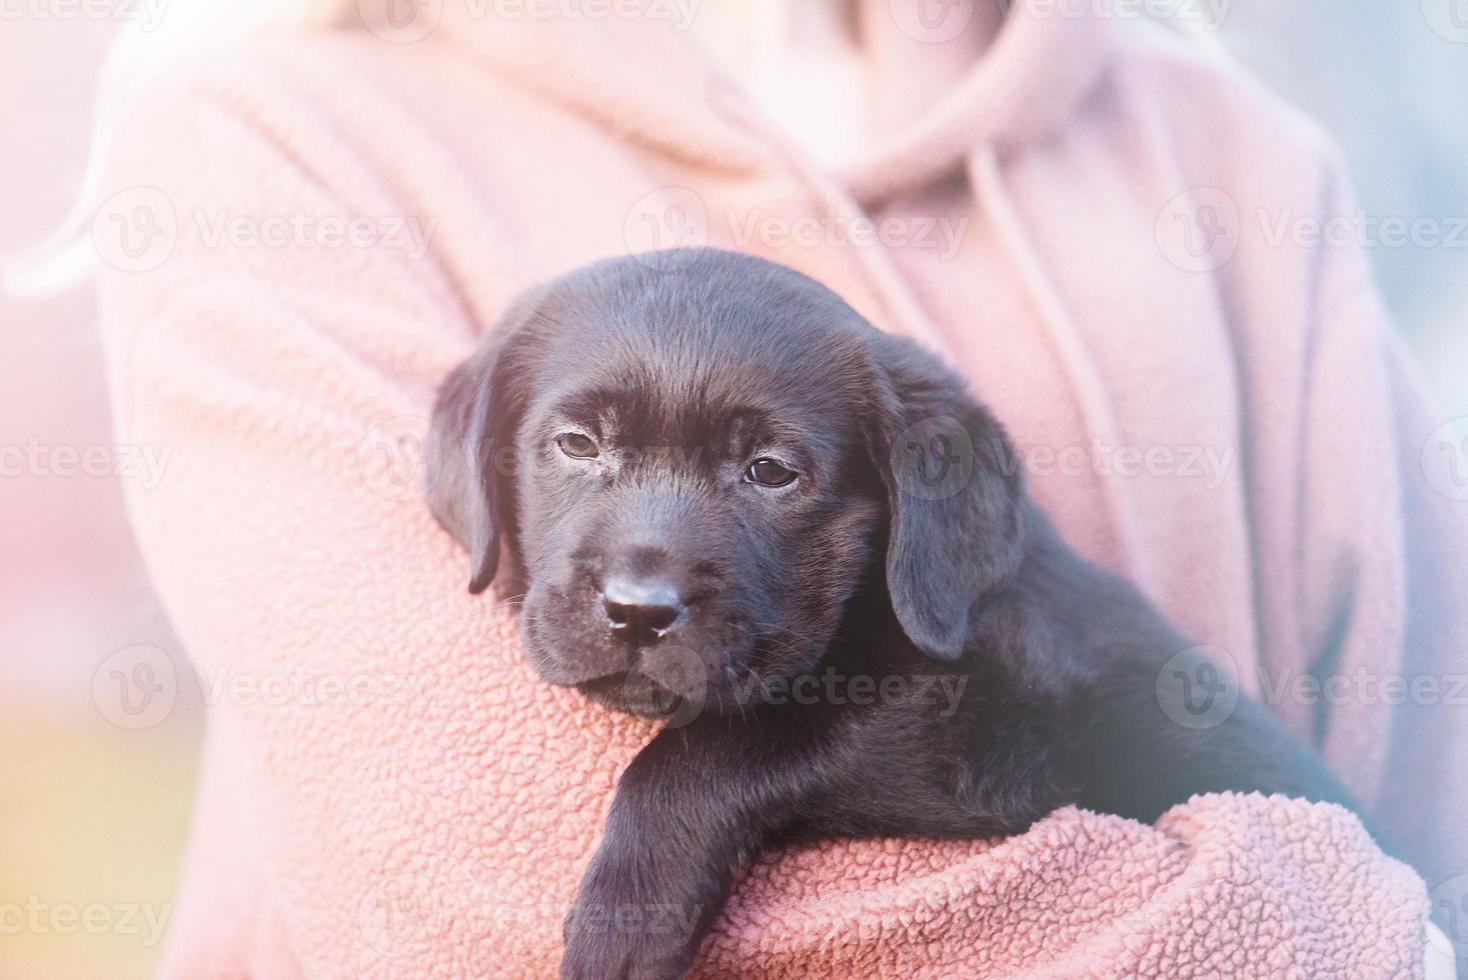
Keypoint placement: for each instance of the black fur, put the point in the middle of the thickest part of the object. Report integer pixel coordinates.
(1018, 677)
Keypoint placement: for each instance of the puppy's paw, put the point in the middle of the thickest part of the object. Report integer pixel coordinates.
(600, 959)
(610, 940)
(603, 956)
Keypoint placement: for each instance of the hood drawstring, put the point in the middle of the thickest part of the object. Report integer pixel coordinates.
(1070, 350)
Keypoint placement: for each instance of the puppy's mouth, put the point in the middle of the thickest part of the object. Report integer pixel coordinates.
(632, 692)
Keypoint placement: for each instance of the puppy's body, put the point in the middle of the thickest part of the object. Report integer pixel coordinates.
(735, 504)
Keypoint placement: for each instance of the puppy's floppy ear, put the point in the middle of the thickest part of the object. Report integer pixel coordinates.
(954, 493)
(475, 418)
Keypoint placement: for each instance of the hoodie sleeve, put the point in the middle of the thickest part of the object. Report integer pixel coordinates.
(1425, 786)
(1383, 512)
(370, 725)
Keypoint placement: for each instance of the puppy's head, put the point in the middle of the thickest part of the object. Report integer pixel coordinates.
(693, 471)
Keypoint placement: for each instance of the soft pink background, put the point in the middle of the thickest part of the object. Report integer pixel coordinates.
(89, 813)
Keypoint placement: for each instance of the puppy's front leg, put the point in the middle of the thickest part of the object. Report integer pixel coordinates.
(691, 806)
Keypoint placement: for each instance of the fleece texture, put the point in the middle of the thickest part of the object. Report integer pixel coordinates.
(1214, 409)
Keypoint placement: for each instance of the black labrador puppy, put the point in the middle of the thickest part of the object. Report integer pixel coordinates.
(733, 503)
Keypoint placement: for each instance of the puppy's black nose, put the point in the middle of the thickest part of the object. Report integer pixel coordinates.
(641, 610)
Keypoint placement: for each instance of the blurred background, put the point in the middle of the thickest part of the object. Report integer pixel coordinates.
(95, 793)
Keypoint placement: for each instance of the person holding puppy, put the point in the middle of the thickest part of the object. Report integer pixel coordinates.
(1071, 209)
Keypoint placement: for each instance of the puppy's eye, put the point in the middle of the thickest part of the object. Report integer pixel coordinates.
(768, 473)
(577, 446)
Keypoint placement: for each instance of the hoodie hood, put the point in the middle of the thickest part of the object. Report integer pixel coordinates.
(945, 81)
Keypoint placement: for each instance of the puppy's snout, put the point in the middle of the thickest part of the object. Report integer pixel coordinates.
(642, 610)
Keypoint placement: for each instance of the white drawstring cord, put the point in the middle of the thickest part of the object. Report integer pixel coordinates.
(1070, 349)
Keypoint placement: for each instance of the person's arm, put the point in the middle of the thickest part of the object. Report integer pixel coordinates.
(385, 749)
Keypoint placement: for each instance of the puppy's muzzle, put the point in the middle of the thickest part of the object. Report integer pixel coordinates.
(641, 611)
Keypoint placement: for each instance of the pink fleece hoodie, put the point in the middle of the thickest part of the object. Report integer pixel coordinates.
(1094, 225)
